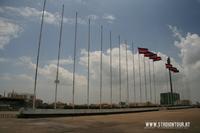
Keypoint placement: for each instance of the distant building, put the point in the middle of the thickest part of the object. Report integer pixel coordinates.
(27, 97)
(185, 102)
(15, 101)
(168, 98)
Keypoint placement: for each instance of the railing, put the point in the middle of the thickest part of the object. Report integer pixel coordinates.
(8, 115)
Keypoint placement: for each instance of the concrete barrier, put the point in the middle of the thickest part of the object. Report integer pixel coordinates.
(38, 113)
(179, 107)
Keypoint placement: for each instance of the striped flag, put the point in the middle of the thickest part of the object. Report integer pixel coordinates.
(168, 65)
(149, 54)
(174, 69)
(142, 50)
(158, 58)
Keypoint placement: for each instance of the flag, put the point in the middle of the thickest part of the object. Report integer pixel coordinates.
(168, 65)
(148, 54)
(142, 50)
(154, 56)
(158, 58)
(177, 71)
(174, 69)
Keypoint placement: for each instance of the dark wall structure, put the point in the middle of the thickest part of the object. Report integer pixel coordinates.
(7, 103)
(168, 99)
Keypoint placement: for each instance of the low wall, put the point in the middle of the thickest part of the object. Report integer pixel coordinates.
(38, 113)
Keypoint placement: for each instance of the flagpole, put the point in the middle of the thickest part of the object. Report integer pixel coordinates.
(150, 80)
(145, 79)
(88, 80)
(178, 86)
(127, 81)
(120, 80)
(38, 56)
(167, 86)
(74, 65)
(140, 78)
(174, 87)
(57, 72)
(111, 68)
(133, 73)
(170, 80)
(154, 82)
(101, 66)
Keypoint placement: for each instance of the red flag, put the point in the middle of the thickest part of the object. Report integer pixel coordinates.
(158, 58)
(168, 65)
(177, 71)
(142, 50)
(174, 69)
(148, 54)
(154, 56)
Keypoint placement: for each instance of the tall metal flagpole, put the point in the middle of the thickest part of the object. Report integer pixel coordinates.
(174, 87)
(57, 72)
(150, 81)
(140, 78)
(74, 66)
(145, 79)
(88, 80)
(174, 82)
(170, 80)
(38, 55)
(134, 91)
(120, 80)
(101, 66)
(154, 82)
(168, 97)
(127, 81)
(111, 68)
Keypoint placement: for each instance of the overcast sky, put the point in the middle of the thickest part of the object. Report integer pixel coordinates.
(169, 27)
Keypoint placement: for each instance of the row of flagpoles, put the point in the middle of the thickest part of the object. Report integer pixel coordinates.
(147, 54)
(151, 56)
